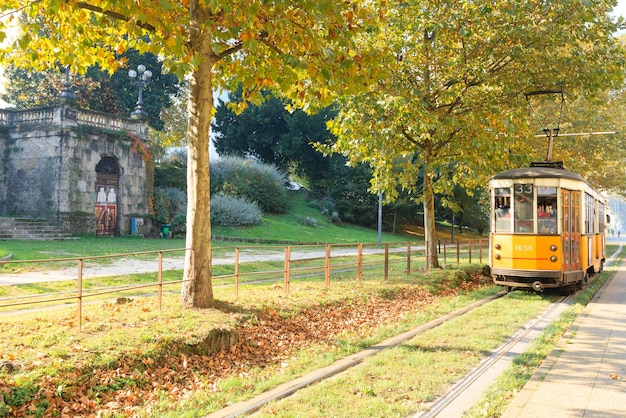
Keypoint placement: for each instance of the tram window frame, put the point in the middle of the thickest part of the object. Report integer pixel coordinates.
(524, 208)
(601, 218)
(575, 202)
(502, 212)
(590, 214)
(547, 209)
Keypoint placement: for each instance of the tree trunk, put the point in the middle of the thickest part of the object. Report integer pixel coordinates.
(429, 223)
(430, 236)
(197, 290)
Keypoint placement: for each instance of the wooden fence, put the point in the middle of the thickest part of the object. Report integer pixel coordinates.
(250, 265)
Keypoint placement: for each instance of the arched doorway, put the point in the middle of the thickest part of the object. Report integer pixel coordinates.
(107, 186)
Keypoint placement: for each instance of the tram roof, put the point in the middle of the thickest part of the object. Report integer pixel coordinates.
(536, 172)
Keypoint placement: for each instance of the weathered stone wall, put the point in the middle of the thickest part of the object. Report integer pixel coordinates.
(49, 165)
(5, 138)
(32, 173)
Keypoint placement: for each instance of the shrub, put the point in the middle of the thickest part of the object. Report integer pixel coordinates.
(171, 171)
(325, 206)
(308, 221)
(170, 207)
(234, 211)
(252, 179)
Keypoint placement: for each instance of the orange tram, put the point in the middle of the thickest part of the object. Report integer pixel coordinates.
(547, 228)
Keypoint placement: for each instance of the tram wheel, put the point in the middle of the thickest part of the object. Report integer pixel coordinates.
(568, 290)
(584, 282)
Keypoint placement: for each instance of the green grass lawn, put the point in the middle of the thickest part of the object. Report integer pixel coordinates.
(85, 246)
(277, 229)
(133, 355)
(288, 227)
(285, 228)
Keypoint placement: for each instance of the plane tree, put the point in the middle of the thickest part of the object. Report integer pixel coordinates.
(591, 141)
(451, 100)
(303, 49)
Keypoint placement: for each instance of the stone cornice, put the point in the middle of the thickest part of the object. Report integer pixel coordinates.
(65, 116)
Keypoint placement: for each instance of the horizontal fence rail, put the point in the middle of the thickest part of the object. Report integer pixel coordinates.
(250, 265)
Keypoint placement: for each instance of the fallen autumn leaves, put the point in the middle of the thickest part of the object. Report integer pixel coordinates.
(136, 383)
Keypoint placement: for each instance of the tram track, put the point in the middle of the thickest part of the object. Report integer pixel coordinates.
(469, 389)
(289, 388)
(459, 398)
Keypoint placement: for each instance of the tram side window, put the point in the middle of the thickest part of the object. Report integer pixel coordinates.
(590, 214)
(502, 196)
(601, 218)
(523, 206)
(546, 210)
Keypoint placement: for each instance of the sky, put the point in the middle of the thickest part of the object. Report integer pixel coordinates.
(620, 9)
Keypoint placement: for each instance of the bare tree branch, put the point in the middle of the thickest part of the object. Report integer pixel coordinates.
(114, 15)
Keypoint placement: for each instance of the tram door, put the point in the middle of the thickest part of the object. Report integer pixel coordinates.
(566, 217)
(571, 211)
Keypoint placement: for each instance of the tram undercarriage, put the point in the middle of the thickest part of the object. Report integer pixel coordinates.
(540, 280)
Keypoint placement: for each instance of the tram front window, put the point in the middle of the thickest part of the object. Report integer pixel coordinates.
(546, 210)
(523, 207)
(503, 206)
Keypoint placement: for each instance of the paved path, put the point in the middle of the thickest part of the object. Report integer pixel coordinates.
(117, 268)
(122, 266)
(585, 376)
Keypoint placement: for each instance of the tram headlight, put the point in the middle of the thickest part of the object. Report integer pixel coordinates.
(553, 258)
(497, 246)
(497, 256)
(553, 247)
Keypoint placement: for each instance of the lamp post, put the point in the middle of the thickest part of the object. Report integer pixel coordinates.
(66, 94)
(140, 79)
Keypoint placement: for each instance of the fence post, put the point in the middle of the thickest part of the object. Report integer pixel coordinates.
(408, 258)
(458, 252)
(480, 250)
(160, 279)
(236, 273)
(469, 244)
(359, 263)
(286, 273)
(327, 267)
(444, 253)
(386, 268)
(438, 246)
(80, 295)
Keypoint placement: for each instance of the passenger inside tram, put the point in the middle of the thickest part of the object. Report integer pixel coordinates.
(546, 213)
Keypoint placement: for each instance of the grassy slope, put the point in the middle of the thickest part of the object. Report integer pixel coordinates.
(272, 229)
(284, 228)
(287, 228)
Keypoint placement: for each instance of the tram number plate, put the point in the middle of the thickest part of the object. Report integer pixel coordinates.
(524, 247)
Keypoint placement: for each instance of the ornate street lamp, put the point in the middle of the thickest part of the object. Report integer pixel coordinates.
(66, 94)
(140, 79)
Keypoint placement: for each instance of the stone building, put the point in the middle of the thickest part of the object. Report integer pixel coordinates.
(84, 171)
